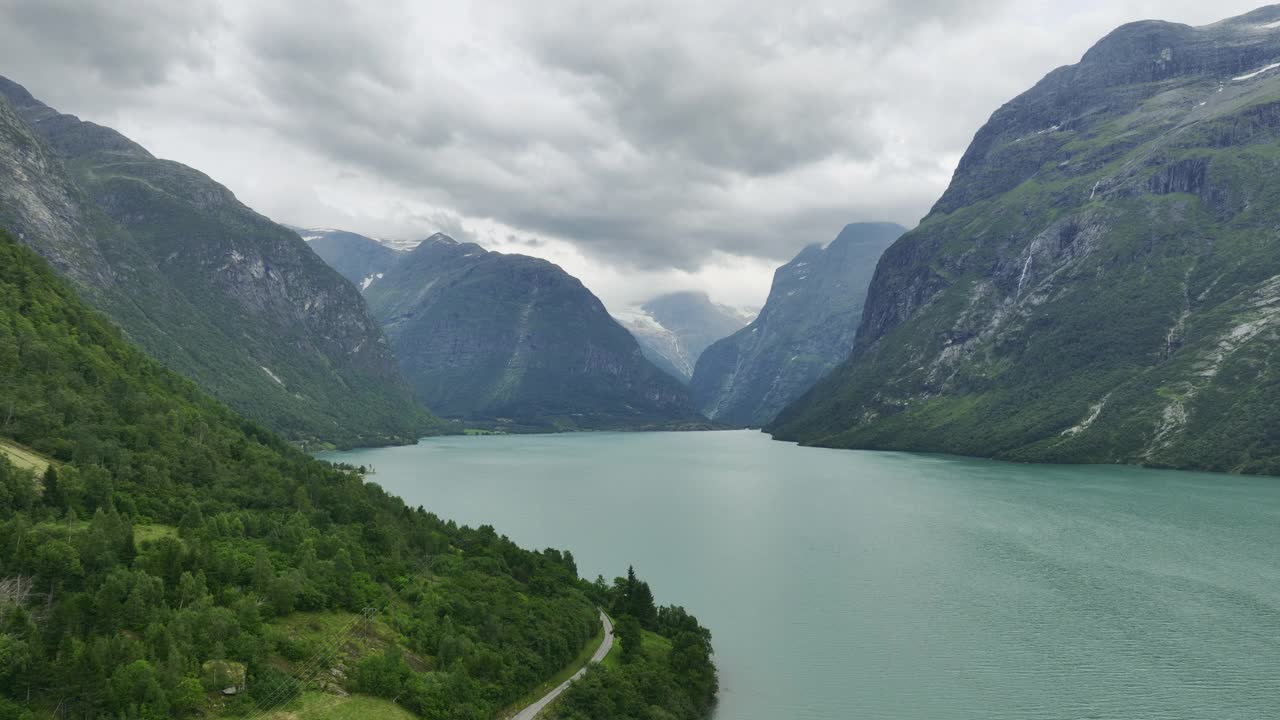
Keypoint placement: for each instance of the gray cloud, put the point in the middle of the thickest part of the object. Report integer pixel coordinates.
(662, 136)
(90, 50)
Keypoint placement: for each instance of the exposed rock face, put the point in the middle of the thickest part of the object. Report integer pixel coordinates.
(805, 329)
(361, 260)
(1100, 282)
(674, 329)
(219, 293)
(484, 335)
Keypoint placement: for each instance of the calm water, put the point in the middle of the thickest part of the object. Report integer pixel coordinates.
(882, 585)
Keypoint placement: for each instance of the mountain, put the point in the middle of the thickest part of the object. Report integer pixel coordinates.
(805, 328)
(172, 548)
(1101, 281)
(214, 290)
(359, 259)
(485, 335)
(674, 329)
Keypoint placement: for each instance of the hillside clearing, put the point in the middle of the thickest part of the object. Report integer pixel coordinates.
(321, 706)
(22, 457)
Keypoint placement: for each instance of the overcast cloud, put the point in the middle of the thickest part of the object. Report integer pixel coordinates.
(645, 146)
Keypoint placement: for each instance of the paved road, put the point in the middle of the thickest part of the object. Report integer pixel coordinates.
(532, 711)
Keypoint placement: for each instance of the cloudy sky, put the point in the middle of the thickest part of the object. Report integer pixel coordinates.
(645, 146)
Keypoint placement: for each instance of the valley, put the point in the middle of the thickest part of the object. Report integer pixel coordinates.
(527, 415)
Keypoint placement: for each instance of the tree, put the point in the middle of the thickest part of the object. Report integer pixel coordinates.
(283, 593)
(690, 660)
(57, 563)
(17, 489)
(99, 487)
(344, 574)
(192, 519)
(263, 573)
(633, 597)
(13, 711)
(53, 496)
(382, 675)
(631, 636)
(186, 695)
(191, 588)
(15, 659)
(136, 685)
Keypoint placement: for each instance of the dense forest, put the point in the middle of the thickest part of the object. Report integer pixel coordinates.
(664, 669)
(175, 560)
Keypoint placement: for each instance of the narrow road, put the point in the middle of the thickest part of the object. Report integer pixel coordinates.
(532, 711)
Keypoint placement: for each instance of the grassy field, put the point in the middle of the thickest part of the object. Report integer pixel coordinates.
(326, 625)
(652, 644)
(565, 673)
(320, 706)
(150, 533)
(22, 457)
(141, 533)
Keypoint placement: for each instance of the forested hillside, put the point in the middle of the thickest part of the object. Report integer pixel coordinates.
(516, 340)
(662, 670)
(176, 560)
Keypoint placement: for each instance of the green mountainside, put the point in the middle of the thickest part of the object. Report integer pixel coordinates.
(213, 290)
(489, 336)
(176, 560)
(805, 328)
(1100, 282)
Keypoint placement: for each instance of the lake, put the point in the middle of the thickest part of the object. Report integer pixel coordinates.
(841, 584)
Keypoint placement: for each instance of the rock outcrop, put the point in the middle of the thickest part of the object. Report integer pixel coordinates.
(212, 289)
(805, 328)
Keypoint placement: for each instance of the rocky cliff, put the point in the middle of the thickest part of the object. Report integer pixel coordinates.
(216, 291)
(359, 259)
(1101, 280)
(805, 328)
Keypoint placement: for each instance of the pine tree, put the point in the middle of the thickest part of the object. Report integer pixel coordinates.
(52, 492)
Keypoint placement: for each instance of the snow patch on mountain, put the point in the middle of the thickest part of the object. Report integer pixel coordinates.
(674, 329)
(661, 345)
(1255, 73)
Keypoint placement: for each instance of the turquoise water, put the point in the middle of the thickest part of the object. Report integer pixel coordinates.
(844, 584)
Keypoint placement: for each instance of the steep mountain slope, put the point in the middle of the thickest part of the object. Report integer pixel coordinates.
(674, 329)
(359, 259)
(174, 549)
(212, 289)
(483, 335)
(1100, 282)
(805, 328)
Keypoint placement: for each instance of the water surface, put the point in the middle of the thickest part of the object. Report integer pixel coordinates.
(843, 584)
